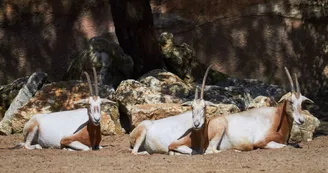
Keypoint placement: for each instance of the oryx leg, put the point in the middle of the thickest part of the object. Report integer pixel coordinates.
(274, 145)
(32, 130)
(181, 145)
(137, 137)
(71, 142)
(216, 131)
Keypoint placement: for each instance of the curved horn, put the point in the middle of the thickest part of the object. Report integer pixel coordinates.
(96, 81)
(298, 90)
(196, 93)
(204, 81)
(290, 80)
(89, 83)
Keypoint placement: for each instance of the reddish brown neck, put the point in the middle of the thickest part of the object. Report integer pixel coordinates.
(94, 132)
(283, 122)
(199, 138)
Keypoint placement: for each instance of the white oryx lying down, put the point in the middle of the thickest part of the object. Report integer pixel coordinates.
(74, 130)
(155, 136)
(194, 140)
(266, 127)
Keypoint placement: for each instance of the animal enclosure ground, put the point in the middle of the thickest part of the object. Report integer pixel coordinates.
(116, 157)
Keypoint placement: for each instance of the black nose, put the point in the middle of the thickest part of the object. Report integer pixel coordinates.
(301, 121)
(97, 119)
(196, 124)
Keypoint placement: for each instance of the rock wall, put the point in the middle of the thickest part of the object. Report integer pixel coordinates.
(38, 35)
(252, 39)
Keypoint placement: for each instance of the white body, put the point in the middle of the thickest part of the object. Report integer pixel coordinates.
(54, 126)
(155, 136)
(247, 128)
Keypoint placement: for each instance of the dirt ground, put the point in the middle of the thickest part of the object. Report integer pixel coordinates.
(116, 157)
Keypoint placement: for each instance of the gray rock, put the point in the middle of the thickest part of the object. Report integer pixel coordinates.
(35, 82)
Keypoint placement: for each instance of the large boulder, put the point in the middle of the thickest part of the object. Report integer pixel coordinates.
(32, 85)
(9, 92)
(158, 111)
(61, 96)
(305, 131)
(155, 87)
(166, 83)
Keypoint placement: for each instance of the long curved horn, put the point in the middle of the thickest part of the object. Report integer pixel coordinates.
(96, 81)
(89, 83)
(196, 93)
(290, 80)
(204, 81)
(298, 90)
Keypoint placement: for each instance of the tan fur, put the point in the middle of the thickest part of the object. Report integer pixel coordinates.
(135, 135)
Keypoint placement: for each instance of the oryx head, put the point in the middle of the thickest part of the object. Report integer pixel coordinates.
(199, 105)
(94, 100)
(294, 106)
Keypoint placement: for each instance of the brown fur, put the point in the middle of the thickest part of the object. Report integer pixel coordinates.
(90, 135)
(195, 139)
(281, 127)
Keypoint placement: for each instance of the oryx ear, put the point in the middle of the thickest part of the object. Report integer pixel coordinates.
(188, 103)
(306, 99)
(208, 103)
(107, 101)
(285, 97)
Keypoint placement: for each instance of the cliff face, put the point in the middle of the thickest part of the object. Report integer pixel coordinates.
(249, 39)
(254, 39)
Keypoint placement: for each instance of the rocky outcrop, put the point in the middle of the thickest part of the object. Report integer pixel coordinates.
(60, 96)
(9, 92)
(156, 87)
(241, 92)
(34, 82)
(260, 101)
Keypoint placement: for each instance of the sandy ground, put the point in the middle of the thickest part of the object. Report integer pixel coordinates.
(116, 157)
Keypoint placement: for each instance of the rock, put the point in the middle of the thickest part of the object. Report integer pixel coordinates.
(166, 83)
(60, 96)
(305, 131)
(35, 82)
(155, 111)
(260, 101)
(158, 111)
(132, 92)
(107, 57)
(181, 60)
(9, 92)
(240, 92)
